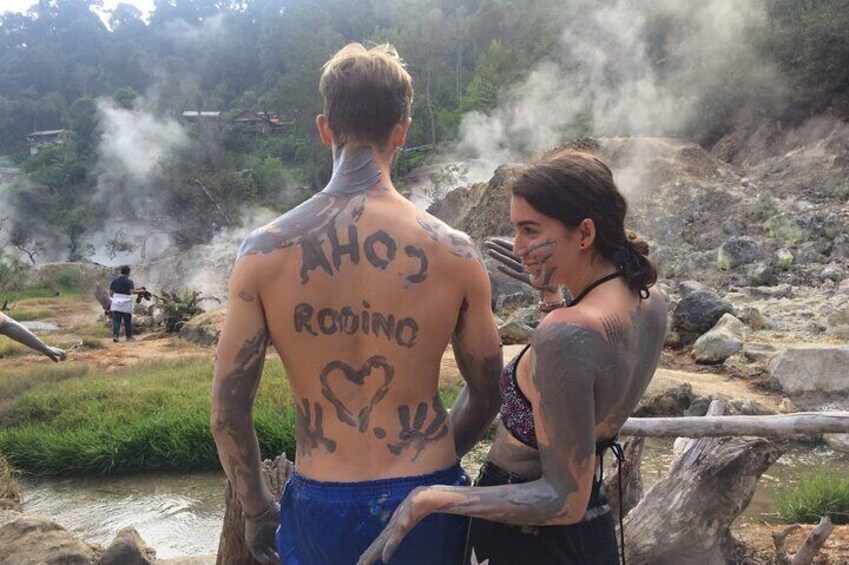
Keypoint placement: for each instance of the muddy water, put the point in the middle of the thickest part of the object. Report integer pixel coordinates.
(798, 462)
(180, 514)
(176, 514)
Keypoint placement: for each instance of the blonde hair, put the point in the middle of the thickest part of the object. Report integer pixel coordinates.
(366, 93)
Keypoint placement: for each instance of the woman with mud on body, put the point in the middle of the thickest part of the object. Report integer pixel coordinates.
(565, 396)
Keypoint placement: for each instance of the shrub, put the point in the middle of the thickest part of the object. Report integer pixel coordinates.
(814, 497)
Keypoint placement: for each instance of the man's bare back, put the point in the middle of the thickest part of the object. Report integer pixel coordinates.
(361, 294)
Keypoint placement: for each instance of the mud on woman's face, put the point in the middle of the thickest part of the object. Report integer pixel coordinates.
(538, 238)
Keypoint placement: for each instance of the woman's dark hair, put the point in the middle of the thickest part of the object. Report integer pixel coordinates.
(570, 186)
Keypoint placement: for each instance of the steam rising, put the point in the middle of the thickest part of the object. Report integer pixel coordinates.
(630, 68)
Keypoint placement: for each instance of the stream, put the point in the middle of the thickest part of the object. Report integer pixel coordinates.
(180, 514)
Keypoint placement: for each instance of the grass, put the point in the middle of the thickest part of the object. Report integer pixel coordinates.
(36, 293)
(9, 348)
(154, 416)
(32, 314)
(814, 497)
(78, 420)
(9, 487)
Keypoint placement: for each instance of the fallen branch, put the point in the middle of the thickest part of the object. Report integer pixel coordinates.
(721, 426)
(809, 548)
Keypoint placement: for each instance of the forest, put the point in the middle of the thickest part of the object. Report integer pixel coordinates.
(183, 119)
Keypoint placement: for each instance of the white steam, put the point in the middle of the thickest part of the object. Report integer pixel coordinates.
(628, 68)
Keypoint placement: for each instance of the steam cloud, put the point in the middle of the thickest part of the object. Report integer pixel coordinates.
(629, 68)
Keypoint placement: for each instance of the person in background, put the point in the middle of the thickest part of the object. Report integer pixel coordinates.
(16, 331)
(122, 293)
(360, 292)
(566, 395)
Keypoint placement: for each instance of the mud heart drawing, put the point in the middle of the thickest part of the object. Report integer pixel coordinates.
(360, 420)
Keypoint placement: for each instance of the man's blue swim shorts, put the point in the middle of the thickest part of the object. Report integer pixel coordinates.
(326, 523)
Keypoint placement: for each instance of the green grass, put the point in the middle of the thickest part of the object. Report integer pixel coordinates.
(40, 292)
(814, 497)
(153, 416)
(72, 419)
(9, 348)
(31, 314)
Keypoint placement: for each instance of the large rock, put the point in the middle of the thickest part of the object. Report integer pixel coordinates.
(674, 401)
(32, 540)
(812, 368)
(204, 329)
(838, 442)
(515, 332)
(721, 342)
(738, 251)
(128, 548)
(699, 309)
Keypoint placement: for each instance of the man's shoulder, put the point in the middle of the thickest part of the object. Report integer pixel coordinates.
(456, 242)
(291, 227)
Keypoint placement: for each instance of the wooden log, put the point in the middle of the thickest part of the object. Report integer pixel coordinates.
(685, 518)
(759, 426)
(232, 549)
(809, 548)
(632, 481)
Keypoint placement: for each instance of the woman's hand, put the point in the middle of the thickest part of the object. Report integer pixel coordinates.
(405, 518)
(501, 249)
(55, 354)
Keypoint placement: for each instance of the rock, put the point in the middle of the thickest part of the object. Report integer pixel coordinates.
(699, 406)
(698, 310)
(204, 329)
(738, 251)
(515, 332)
(721, 342)
(754, 352)
(786, 227)
(783, 259)
(670, 402)
(838, 442)
(529, 316)
(32, 540)
(128, 548)
(843, 287)
(786, 406)
(763, 275)
(780, 291)
(812, 368)
(833, 272)
(752, 317)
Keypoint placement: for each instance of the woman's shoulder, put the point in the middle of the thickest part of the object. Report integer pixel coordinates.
(566, 330)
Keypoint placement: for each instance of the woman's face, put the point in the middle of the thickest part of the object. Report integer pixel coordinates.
(547, 248)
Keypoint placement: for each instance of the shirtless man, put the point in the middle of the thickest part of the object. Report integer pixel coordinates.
(16, 331)
(360, 292)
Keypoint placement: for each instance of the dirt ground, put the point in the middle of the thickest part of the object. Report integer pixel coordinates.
(79, 321)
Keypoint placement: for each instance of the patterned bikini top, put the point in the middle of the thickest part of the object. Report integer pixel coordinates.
(517, 414)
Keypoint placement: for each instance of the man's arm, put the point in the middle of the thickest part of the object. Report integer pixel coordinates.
(16, 331)
(238, 368)
(477, 349)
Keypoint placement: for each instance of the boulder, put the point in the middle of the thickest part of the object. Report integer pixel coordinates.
(128, 548)
(783, 259)
(738, 251)
(32, 540)
(812, 368)
(720, 342)
(674, 401)
(204, 329)
(753, 318)
(833, 272)
(515, 332)
(763, 275)
(699, 309)
(838, 442)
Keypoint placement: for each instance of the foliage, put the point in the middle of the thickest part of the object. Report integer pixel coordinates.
(814, 497)
(153, 416)
(178, 307)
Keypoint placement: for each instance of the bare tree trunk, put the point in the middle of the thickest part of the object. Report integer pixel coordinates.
(232, 549)
(685, 518)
